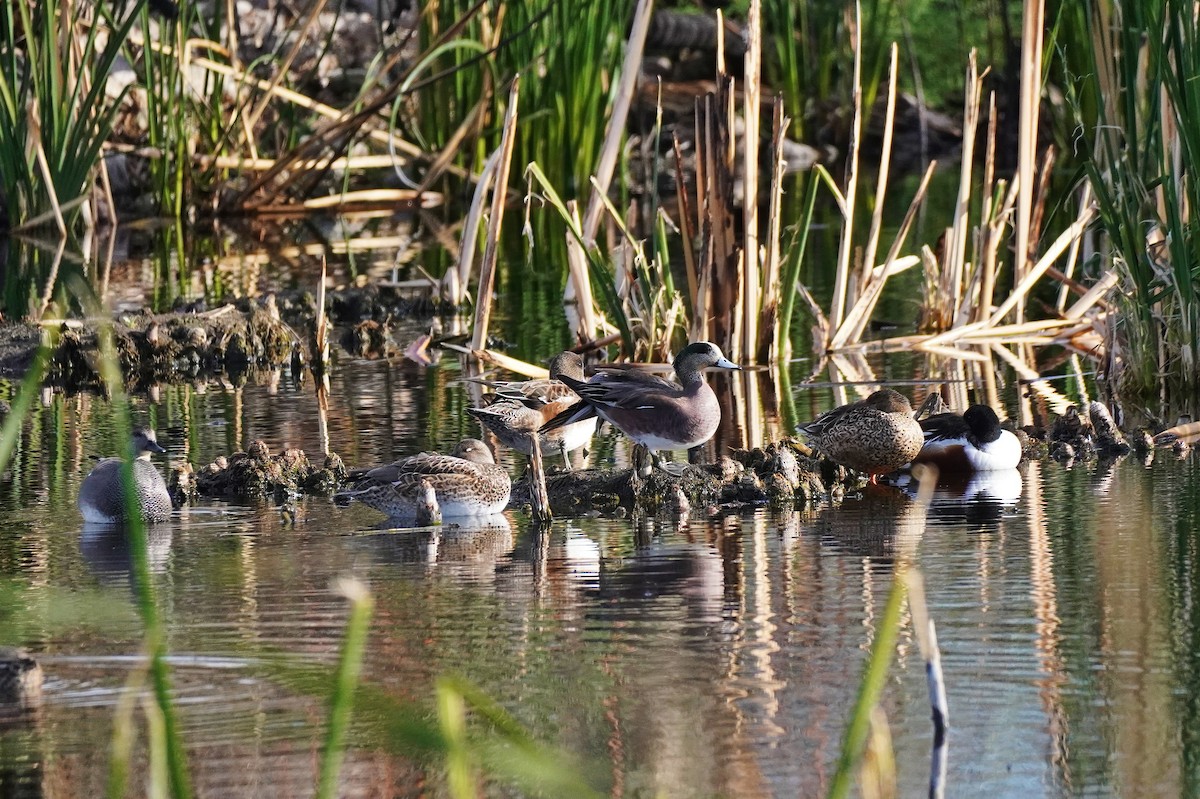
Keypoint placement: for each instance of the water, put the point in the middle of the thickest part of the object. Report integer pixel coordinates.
(713, 656)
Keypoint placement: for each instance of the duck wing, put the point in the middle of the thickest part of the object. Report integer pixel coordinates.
(944, 427)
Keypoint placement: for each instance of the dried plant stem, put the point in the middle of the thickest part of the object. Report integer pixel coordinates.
(842, 278)
(487, 269)
(771, 266)
(1030, 102)
(630, 70)
(455, 281)
(751, 111)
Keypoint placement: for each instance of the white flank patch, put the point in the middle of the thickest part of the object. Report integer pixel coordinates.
(1003, 453)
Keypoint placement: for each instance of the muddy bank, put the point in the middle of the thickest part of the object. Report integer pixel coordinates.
(155, 348)
(194, 341)
(781, 473)
(786, 472)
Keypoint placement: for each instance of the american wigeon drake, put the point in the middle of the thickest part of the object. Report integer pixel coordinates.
(657, 413)
(522, 408)
(971, 442)
(467, 483)
(877, 435)
(102, 492)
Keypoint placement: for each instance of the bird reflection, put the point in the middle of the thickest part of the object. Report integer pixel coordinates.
(978, 500)
(474, 545)
(107, 552)
(693, 572)
(879, 524)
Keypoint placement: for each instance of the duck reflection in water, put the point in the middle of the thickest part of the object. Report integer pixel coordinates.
(979, 499)
(107, 552)
(880, 523)
(469, 547)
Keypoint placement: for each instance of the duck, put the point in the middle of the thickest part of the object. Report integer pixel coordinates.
(102, 495)
(656, 413)
(877, 435)
(972, 441)
(20, 679)
(521, 408)
(429, 486)
(541, 391)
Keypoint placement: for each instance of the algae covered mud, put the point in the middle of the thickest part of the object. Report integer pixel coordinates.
(712, 651)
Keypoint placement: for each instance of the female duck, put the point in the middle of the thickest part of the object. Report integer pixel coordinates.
(467, 483)
(657, 413)
(972, 442)
(102, 494)
(877, 435)
(523, 408)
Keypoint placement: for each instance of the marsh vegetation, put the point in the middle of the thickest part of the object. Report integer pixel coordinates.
(823, 190)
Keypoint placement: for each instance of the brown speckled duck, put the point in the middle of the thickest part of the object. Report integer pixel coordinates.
(521, 408)
(876, 435)
(427, 486)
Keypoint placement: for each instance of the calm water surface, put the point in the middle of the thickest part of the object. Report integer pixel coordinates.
(712, 656)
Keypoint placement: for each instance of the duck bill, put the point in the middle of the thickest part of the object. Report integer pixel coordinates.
(154, 446)
(725, 363)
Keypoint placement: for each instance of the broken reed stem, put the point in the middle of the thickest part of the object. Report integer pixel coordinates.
(956, 247)
(771, 267)
(455, 282)
(881, 185)
(1030, 106)
(751, 299)
(487, 269)
(686, 224)
(856, 321)
(539, 496)
(838, 310)
(579, 286)
(320, 365)
(1034, 274)
(616, 124)
(926, 634)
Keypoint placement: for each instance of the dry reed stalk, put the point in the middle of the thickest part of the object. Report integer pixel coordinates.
(950, 352)
(856, 321)
(881, 185)
(1068, 272)
(578, 290)
(717, 284)
(687, 225)
(487, 268)
(768, 330)
(369, 197)
(1094, 295)
(320, 363)
(1030, 105)
(1040, 195)
(992, 237)
(345, 163)
(607, 162)
(35, 143)
(456, 279)
(1032, 275)
(539, 497)
(954, 257)
(837, 311)
(751, 111)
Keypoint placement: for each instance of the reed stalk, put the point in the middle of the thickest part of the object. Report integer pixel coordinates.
(135, 528)
(1034, 15)
(341, 701)
(487, 268)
